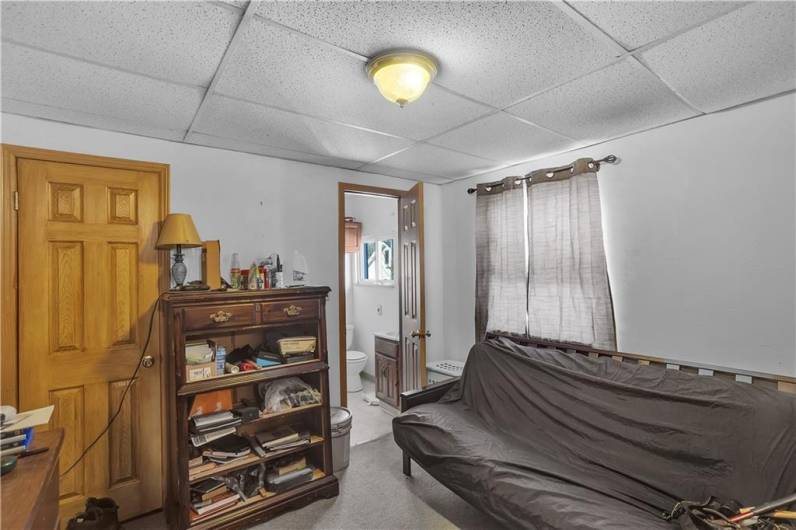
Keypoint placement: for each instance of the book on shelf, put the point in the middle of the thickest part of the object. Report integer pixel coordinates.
(216, 504)
(278, 483)
(300, 358)
(203, 468)
(232, 446)
(195, 461)
(282, 438)
(208, 485)
(210, 422)
(199, 440)
(283, 468)
(221, 460)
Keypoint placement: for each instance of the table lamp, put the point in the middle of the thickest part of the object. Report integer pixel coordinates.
(178, 231)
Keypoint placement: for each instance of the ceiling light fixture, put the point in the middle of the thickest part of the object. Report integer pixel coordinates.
(402, 75)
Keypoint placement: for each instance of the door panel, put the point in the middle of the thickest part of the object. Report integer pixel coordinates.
(88, 280)
(413, 318)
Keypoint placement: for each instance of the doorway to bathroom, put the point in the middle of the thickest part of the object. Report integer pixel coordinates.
(382, 328)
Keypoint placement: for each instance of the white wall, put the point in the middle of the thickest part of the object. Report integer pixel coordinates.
(699, 235)
(253, 204)
(379, 218)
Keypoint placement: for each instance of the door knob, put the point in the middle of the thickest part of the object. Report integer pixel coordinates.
(148, 361)
(417, 333)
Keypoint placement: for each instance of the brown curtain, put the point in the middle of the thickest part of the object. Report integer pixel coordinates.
(540, 260)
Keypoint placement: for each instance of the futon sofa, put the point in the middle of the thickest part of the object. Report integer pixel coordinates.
(540, 438)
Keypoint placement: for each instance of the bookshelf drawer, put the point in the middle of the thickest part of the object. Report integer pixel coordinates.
(292, 310)
(219, 316)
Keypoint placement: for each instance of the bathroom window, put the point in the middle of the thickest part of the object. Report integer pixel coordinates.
(376, 263)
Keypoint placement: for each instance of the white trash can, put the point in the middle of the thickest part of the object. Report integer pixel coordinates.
(341, 437)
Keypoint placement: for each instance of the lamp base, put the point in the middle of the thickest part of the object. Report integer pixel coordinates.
(179, 271)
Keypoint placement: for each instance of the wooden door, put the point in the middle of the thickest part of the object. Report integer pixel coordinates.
(88, 280)
(413, 319)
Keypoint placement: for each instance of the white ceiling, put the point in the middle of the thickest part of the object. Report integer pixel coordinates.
(517, 80)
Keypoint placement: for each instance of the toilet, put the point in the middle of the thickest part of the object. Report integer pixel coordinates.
(355, 361)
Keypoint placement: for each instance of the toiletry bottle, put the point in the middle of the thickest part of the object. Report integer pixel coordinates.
(244, 279)
(221, 359)
(253, 276)
(234, 273)
(280, 280)
(266, 277)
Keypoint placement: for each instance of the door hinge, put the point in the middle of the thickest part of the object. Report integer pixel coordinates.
(16, 201)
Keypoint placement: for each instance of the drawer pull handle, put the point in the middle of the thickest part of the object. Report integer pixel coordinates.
(220, 316)
(293, 310)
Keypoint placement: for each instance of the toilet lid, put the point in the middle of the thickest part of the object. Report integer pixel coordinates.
(353, 355)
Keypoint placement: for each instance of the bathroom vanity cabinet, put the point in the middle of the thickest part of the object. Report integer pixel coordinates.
(388, 370)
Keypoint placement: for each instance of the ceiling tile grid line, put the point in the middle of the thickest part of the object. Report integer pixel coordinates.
(365, 129)
(100, 64)
(244, 21)
(600, 142)
(583, 21)
(313, 116)
(130, 125)
(610, 41)
(350, 53)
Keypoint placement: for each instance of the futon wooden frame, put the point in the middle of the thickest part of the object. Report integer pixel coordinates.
(433, 393)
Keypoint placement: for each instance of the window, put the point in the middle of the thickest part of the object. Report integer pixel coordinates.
(376, 262)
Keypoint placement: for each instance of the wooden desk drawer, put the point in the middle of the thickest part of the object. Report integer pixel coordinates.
(219, 316)
(293, 310)
(386, 347)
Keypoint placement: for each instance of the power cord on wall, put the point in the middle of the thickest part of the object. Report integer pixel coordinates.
(124, 394)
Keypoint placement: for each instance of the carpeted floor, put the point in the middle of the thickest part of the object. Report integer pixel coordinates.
(374, 494)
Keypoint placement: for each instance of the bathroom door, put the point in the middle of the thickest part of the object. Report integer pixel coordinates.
(412, 289)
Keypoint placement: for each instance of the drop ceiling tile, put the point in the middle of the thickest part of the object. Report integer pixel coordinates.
(232, 118)
(424, 160)
(634, 23)
(46, 79)
(275, 152)
(616, 100)
(178, 41)
(503, 137)
(95, 121)
(496, 52)
(321, 81)
(745, 55)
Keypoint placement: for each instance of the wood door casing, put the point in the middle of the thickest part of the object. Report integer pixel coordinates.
(89, 276)
(412, 289)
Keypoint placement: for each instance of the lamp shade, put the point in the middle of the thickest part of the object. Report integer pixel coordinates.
(178, 229)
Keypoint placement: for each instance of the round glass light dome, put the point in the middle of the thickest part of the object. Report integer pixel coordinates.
(402, 76)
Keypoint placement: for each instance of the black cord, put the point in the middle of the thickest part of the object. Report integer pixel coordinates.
(124, 394)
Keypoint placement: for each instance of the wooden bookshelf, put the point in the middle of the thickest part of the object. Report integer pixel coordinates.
(252, 459)
(247, 317)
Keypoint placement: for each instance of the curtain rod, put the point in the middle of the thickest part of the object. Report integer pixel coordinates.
(610, 159)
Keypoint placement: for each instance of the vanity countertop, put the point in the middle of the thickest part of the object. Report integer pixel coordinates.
(387, 335)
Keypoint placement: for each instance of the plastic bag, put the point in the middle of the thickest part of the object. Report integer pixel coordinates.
(287, 393)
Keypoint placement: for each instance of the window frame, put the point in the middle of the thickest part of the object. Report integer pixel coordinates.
(360, 267)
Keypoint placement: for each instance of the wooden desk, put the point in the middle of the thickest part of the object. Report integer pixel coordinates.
(29, 498)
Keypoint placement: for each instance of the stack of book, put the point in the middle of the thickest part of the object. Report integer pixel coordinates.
(288, 473)
(12, 442)
(206, 428)
(211, 495)
(227, 450)
(283, 438)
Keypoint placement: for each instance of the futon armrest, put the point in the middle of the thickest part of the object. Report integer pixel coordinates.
(427, 394)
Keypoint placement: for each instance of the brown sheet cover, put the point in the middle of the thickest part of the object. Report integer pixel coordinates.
(543, 439)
